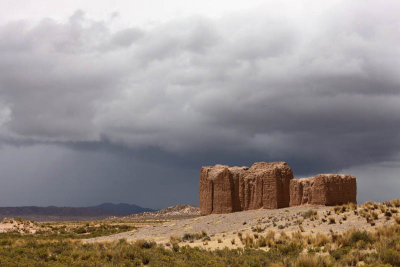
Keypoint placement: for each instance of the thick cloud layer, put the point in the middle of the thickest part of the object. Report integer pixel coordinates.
(320, 91)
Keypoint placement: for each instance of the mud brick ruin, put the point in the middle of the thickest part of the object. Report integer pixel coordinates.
(225, 189)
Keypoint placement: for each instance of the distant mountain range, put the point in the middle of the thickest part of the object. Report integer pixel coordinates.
(72, 213)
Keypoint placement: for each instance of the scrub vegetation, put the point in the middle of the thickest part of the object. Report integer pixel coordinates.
(58, 244)
(348, 249)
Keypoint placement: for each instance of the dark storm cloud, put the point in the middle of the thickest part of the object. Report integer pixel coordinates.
(54, 175)
(319, 91)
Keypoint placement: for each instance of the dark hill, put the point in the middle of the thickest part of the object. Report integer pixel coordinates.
(71, 213)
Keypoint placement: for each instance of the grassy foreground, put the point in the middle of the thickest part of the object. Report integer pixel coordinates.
(348, 249)
(61, 245)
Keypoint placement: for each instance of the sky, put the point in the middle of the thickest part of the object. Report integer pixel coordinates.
(124, 101)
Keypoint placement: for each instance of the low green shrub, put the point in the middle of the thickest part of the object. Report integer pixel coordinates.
(360, 236)
(390, 256)
(337, 254)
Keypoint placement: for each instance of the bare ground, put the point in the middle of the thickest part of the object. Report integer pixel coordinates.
(17, 225)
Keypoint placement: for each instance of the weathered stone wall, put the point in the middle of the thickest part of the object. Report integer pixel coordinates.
(226, 189)
(339, 189)
(271, 185)
(323, 189)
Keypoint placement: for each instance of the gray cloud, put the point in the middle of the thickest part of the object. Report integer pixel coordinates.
(380, 181)
(321, 92)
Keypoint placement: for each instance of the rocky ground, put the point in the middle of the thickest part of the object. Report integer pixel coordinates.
(228, 230)
(173, 212)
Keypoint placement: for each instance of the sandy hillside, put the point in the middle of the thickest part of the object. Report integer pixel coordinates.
(177, 211)
(8, 225)
(223, 230)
